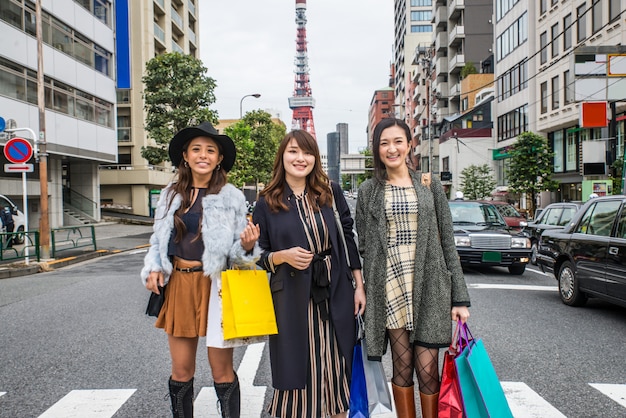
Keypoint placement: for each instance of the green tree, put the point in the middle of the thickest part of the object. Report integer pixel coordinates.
(177, 94)
(531, 167)
(256, 138)
(369, 167)
(617, 170)
(477, 181)
(468, 69)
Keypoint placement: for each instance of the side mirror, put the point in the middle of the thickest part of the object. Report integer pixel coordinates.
(14, 210)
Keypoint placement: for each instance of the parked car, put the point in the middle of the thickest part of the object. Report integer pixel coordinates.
(483, 238)
(511, 216)
(588, 256)
(18, 219)
(553, 216)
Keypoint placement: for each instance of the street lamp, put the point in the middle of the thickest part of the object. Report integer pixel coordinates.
(257, 95)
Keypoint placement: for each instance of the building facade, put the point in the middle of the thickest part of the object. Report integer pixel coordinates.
(78, 55)
(157, 27)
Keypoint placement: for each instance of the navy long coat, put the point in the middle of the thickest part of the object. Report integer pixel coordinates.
(291, 288)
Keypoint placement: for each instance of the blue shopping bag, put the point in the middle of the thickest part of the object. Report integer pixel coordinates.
(472, 400)
(358, 388)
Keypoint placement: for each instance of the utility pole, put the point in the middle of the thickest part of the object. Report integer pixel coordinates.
(44, 224)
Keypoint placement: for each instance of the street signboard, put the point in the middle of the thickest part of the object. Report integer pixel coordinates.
(3, 124)
(18, 150)
(19, 168)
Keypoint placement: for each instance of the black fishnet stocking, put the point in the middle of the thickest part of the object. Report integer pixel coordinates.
(407, 357)
(402, 357)
(427, 367)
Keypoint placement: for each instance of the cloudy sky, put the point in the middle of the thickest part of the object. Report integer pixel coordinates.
(248, 46)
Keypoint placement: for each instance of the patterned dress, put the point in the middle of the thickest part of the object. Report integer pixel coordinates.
(327, 391)
(401, 215)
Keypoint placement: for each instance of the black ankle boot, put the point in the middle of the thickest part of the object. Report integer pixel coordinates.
(229, 398)
(181, 394)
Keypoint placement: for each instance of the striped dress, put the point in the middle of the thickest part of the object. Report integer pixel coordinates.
(327, 391)
(401, 214)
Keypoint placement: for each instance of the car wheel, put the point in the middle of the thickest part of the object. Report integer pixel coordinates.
(517, 269)
(568, 286)
(533, 253)
(19, 239)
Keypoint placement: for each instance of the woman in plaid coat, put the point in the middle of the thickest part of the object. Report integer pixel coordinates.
(413, 277)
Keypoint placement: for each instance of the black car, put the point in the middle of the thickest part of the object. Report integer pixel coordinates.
(588, 256)
(483, 238)
(553, 216)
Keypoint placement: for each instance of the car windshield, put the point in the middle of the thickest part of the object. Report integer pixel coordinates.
(477, 214)
(508, 210)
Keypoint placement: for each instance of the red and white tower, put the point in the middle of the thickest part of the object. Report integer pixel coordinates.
(302, 102)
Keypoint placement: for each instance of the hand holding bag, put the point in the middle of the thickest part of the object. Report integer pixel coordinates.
(155, 303)
(247, 307)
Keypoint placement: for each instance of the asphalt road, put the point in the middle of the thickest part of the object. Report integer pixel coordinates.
(76, 342)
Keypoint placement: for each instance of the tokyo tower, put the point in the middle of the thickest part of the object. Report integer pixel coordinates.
(302, 102)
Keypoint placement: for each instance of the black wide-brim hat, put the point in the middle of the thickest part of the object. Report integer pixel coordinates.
(227, 146)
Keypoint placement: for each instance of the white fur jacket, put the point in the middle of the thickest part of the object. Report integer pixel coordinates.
(223, 219)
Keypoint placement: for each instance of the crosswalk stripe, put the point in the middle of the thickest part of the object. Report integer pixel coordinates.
(526, 403)
(613, 391)
(102, 403)
(252, 397)
(2, 393)
(512, 287)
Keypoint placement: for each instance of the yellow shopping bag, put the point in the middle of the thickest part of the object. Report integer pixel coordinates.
(247, 307)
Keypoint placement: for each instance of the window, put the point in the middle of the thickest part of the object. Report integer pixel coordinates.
(614, 10)
(567, 32)
(555, 40)
(596, 16)
(421, 3)
(421, 28)
(568, 88)
(543, 46)
(581, 30)
(621, 228)
(421, 15)
(11, 13)
(543, 6)
(555, 92)
(598, 219)
(557, 146)
(544, 97)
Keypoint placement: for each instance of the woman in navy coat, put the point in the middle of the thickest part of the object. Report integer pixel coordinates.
(311, 282)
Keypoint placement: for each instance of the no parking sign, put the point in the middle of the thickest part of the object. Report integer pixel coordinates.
(18, 150)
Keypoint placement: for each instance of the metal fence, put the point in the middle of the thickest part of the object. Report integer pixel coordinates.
(19, 245)
(72, 237)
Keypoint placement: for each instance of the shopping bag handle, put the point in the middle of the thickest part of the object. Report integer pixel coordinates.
(464, 335)
(360, 327)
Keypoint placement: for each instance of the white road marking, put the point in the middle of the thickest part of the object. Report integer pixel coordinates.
(252, 397)
(613, 391)
(138, 251)
(526, 403)
(513, 287)
(2, 393)
(102, 403)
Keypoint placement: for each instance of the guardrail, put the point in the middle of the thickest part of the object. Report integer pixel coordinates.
(13, 245)
(72, 237)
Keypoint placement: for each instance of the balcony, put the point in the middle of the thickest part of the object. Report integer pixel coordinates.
(454, 9)
(192, 36)
(457, 35)
(159, 33)
(456, 63)
(191, 6)
(441, 41)
(442, 65)
(177, 48)
(455, 90)
(161, 4)
(128, 174)
(440, 17)
(178, 21)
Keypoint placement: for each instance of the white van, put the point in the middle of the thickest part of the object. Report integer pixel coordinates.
(18, 218)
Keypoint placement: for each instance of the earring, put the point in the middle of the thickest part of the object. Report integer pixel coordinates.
(186, 164)
(218, 168)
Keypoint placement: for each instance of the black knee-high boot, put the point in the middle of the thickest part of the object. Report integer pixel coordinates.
(181, 394)
(229, 398)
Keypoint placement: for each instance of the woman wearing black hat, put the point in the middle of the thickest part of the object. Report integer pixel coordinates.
(200, 227)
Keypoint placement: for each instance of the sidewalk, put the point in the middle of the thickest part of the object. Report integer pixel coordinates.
(115, 234)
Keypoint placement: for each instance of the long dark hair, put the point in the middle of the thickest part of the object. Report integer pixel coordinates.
(380, 171)
(318, 193)
(182, 187)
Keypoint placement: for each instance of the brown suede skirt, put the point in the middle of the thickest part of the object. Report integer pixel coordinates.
(186, 307)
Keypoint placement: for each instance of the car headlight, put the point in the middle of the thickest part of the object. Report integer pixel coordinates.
(520, 242)
(462, 241)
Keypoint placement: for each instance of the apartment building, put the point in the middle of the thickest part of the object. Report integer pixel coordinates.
(157, 27)
(78, 53)
(574, 45)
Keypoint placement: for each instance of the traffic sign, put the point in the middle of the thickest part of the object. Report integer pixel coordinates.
(19, 168)
(3, 124)
(18, 150)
